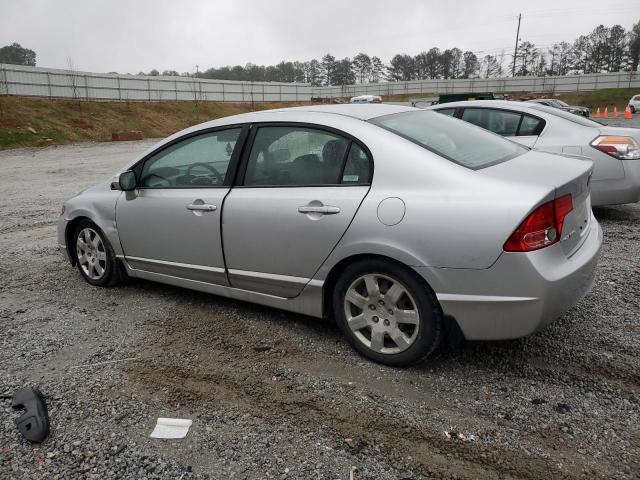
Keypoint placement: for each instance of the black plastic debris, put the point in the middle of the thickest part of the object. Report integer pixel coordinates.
(33, 424)
(562, 408)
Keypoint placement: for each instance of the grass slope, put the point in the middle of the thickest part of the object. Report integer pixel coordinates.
(67, 121)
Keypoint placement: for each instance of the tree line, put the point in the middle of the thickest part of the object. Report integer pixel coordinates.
(605, 49)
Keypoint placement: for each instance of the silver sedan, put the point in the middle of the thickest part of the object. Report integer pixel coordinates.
(400, 223)
(615, 151)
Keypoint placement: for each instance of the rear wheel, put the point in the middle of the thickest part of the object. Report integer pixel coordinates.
(387, 312)
(95, 258)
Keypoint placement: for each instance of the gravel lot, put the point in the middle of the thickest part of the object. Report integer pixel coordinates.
(561, 404)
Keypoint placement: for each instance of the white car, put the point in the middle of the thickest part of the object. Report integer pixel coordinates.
(366, 99)
(615, 151)
(634, 104)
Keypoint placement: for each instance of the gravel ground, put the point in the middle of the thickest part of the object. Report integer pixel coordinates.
(277, 395)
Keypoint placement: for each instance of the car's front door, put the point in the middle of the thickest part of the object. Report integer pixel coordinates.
(171, 223)
(300, 188)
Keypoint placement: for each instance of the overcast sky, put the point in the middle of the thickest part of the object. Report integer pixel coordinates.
(129, 36)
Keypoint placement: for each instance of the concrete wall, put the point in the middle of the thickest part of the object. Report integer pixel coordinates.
(46, 82)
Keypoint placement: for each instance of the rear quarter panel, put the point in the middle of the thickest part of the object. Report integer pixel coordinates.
(454, 217)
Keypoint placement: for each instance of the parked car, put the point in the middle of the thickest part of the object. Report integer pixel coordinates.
(366, 99)
(634, 104)
(615, 151)
(392, 219)
(458, 97)
(555, 103)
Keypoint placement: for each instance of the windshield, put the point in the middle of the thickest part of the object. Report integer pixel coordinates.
(572, 117)
(561, 103)
(453, 139)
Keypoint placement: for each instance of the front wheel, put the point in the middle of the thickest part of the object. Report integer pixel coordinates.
(94, 256)
(387, 312)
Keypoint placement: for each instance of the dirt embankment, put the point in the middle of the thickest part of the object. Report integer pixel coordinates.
(26, 121)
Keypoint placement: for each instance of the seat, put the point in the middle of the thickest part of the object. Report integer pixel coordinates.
(307, 170)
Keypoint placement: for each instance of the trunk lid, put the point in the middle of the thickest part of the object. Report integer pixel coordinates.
(563, 174)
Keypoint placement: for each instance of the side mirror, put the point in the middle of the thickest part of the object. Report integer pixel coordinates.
(127, 180)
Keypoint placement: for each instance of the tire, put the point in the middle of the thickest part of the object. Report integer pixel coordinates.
(96, 260)
(633, 109)
(404, 312)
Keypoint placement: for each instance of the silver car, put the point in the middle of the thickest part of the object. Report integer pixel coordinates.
(398, 222)
(615, 151)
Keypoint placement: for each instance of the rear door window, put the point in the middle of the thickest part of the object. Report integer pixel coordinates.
(299, 156)
(530, 126)
(498, 121)
(447, 111)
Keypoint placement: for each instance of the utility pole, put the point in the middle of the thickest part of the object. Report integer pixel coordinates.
(515, 52)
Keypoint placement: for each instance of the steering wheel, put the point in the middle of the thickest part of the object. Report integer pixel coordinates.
(163, 179)
(216, 173)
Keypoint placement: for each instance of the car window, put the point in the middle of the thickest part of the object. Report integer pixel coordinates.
(357, 170)
(295, 156)
(636, 98)
(447, 111)
(197, 162)
(566, 115)
(530, 126)
(498, 121)
(457, 141)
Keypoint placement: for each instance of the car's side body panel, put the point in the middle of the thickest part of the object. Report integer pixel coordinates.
(272, 247)
(158, 232)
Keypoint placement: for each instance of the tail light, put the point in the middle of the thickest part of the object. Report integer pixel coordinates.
(624, 148)
(543, 227)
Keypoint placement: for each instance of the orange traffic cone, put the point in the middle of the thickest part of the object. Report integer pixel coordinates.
(615, 112)
(627, 113)
(598, 113)
(606, 113)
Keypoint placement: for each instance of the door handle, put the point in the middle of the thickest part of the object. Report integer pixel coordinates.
(324, 210)
(204, 207)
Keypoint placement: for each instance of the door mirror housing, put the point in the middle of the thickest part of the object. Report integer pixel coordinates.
(127, 181)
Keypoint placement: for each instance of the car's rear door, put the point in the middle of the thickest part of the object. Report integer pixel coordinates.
(299, 188)
(170, 224)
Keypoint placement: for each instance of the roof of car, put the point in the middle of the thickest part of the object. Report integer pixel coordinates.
(363, 111)
(507, 104)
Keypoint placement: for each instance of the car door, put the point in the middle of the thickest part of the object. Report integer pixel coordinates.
(170, 224)
(300, 186)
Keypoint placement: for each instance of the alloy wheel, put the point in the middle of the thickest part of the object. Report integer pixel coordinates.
(91, 253)
(381, 313)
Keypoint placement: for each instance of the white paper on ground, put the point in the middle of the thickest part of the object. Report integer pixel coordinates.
(171, 428)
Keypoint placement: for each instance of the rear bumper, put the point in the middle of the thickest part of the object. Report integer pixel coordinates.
(619, 191)
(521, 293)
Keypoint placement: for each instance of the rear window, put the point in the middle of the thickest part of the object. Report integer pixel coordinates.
(453, 139)
(572, 117)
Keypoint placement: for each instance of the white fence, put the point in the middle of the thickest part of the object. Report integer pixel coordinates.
(46, 82)
(569, 83)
